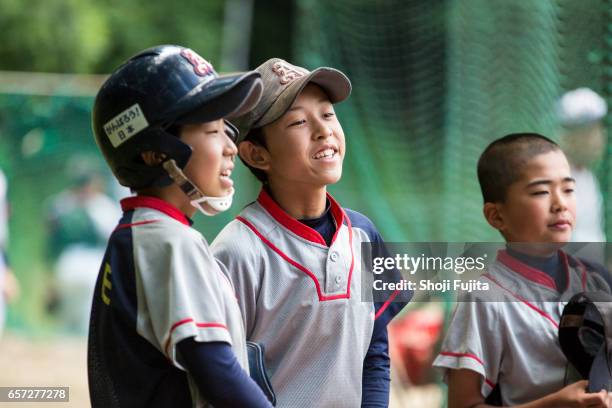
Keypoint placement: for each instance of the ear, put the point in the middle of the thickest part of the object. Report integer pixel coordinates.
(152, 158)
(254, 155)
(493, 214)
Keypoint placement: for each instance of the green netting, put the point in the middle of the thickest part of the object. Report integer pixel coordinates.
(434, 83)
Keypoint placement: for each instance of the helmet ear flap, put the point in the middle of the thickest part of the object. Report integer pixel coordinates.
(140, 175)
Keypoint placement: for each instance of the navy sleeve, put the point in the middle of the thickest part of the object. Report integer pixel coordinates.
(219, 377)
(598, 269)
(376, 369)
(376, 365)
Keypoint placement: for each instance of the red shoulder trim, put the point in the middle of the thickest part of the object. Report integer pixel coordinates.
(473, 357)
(185, 321)
(155, 203)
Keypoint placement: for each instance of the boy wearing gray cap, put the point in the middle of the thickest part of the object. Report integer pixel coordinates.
(294, 254)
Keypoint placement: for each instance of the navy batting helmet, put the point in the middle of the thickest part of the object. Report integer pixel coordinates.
(157, 88)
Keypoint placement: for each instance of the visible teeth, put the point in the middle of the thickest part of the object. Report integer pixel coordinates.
(325, 154)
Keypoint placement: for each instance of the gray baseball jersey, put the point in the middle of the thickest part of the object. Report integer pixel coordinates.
(302, 300)
(158, 285)
(509, 335)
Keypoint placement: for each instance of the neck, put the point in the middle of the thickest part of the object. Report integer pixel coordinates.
(538, 250)
(173, 195)
(299, 202)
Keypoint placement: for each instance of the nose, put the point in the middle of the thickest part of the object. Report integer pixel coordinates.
(322, 130)
(230, 148)
(559, 202)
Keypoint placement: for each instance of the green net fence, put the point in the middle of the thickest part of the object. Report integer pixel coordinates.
(434, 83)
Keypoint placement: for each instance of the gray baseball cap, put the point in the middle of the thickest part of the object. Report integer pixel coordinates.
(282, 83)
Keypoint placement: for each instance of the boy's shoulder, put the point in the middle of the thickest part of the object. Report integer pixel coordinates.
(362, 222)
(242, 233)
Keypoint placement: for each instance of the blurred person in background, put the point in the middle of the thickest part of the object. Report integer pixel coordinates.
(9, 286)
(583, 139)
(79, 220)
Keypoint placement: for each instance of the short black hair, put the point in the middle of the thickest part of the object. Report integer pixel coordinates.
(503, 161)
(257, 137)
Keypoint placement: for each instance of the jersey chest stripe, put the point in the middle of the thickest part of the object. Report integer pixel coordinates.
(539, 311)
(468, 355)
(302, 268)
(134, 224)
(189, 320)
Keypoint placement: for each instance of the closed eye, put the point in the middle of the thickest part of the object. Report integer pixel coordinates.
(538, 193)
(329, 114)
(297, 122)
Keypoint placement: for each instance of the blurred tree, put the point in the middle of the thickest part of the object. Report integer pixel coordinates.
(93, 36)
(61, 36)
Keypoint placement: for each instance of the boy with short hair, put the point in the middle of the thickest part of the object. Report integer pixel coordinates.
(507, 351)
(165, 326)
(294, 254)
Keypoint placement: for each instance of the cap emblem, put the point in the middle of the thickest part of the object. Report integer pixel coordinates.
(200, 66)
(286, 72)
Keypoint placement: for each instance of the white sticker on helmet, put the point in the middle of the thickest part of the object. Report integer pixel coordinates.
(125, 125)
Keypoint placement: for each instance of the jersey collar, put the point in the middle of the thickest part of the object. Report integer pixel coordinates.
(533, 274)
(130, 203)
(293, 225)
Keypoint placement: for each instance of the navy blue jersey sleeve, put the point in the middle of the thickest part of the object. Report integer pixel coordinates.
(376, 366)
(376, 369)
(219, 377)
(599, 269)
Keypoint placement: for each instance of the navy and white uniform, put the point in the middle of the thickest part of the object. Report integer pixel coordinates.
(301, 299)
(509, 334)
(158, 285)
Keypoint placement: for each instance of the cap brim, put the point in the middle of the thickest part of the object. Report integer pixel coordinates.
(335, 84)
(224, 97)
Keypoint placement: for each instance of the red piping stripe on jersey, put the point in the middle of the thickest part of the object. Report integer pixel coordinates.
(302, 268)
(386, 304)
(539, 311)
(134, 224)
(189, 320)
(155, 203)
(468, 355)
(293, 225)
(533, 274)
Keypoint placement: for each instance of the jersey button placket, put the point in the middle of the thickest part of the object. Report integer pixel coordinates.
(333, 269)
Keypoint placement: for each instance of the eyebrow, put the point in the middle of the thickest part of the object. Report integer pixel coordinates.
(320, 100)
(547, 182)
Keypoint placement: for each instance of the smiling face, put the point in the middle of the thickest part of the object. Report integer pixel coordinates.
(212, 161)
(305, 146)
(540, 206)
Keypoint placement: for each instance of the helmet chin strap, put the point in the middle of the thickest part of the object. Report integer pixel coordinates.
(206, 205)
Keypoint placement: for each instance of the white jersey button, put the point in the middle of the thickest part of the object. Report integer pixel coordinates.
(338, 279)
(334, 256)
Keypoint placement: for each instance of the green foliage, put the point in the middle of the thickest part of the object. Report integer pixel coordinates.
(89, 36)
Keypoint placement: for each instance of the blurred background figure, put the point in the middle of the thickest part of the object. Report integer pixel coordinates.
(79, 220)
(9, 286)
(583, 138)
